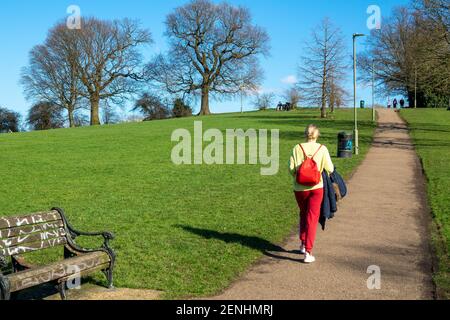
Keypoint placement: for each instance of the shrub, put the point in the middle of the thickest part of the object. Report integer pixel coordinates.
(151, 107)
(180, 109)
(9, 121)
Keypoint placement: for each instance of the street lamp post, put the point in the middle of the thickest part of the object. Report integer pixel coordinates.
(355, 35)
(415, 86)
(373, 91)
(242, 102)
(242, 96)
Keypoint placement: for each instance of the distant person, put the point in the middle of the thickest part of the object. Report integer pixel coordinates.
(395, 104)
(280, 106)
(402, 103)
(389, 103)
(309, 195)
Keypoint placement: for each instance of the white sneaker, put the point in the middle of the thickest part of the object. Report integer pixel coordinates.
(309, 258)
(302, 249)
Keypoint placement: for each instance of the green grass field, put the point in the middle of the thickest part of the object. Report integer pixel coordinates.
(431, 132)
(186, 230)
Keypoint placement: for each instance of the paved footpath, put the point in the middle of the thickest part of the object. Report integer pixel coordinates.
(383, 222)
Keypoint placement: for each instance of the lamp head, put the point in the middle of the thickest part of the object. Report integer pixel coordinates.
(358, 35)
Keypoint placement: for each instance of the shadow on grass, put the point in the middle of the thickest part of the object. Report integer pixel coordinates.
(281, 117)
(432, 143)
(266, 247)
(40, 292)
(431, 127)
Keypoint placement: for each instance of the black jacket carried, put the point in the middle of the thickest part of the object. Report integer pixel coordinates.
(337, 179)
(329, 203)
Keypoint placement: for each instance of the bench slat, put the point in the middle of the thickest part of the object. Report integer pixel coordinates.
(86, 272)
(36, 218)
(21, 231)
(35, 246)
(21, 240)
(57, 270)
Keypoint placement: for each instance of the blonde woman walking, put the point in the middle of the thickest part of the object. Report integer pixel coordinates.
(309, 197)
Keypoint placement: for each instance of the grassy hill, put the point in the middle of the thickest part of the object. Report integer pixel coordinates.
(431, 132)
(186, 230)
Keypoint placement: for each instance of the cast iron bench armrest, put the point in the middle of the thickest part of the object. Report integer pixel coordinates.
(74, 233)
(105, 234)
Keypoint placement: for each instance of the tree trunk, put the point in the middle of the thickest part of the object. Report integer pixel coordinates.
(323, 112)
(95, 118)
(71, 118)
(332, 96)
(324, 103)
(204, 111)
(324, 93)
(332, 102)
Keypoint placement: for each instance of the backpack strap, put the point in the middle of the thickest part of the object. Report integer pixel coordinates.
(304, 153)
(315, 154)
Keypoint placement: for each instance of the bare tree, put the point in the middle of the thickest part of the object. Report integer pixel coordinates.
(109, 61)
(390, 51)
(337, 94)
(437, 13)
(432, 24)
(81, 119)
(109, 113)
(324, 58)
(264, 101)
(52, 72)
(292, 95)
(409, 57)
(213, 50)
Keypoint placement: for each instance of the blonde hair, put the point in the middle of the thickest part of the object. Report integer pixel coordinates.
(312, 132)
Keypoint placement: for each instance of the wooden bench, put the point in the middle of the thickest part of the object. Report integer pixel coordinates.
(44, 230)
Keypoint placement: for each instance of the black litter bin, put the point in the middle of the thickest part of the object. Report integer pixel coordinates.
(345, 145)
(362, 104)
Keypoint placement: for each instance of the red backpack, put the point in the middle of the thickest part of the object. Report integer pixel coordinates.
(308, 174)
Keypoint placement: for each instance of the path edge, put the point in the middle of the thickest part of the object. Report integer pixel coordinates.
(435, 239)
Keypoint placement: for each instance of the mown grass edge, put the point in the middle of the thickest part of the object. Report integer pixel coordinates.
(436, 239)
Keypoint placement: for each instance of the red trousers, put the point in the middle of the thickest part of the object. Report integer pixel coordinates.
(310, 203)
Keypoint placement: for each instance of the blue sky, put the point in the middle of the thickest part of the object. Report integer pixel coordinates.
(24, 24)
